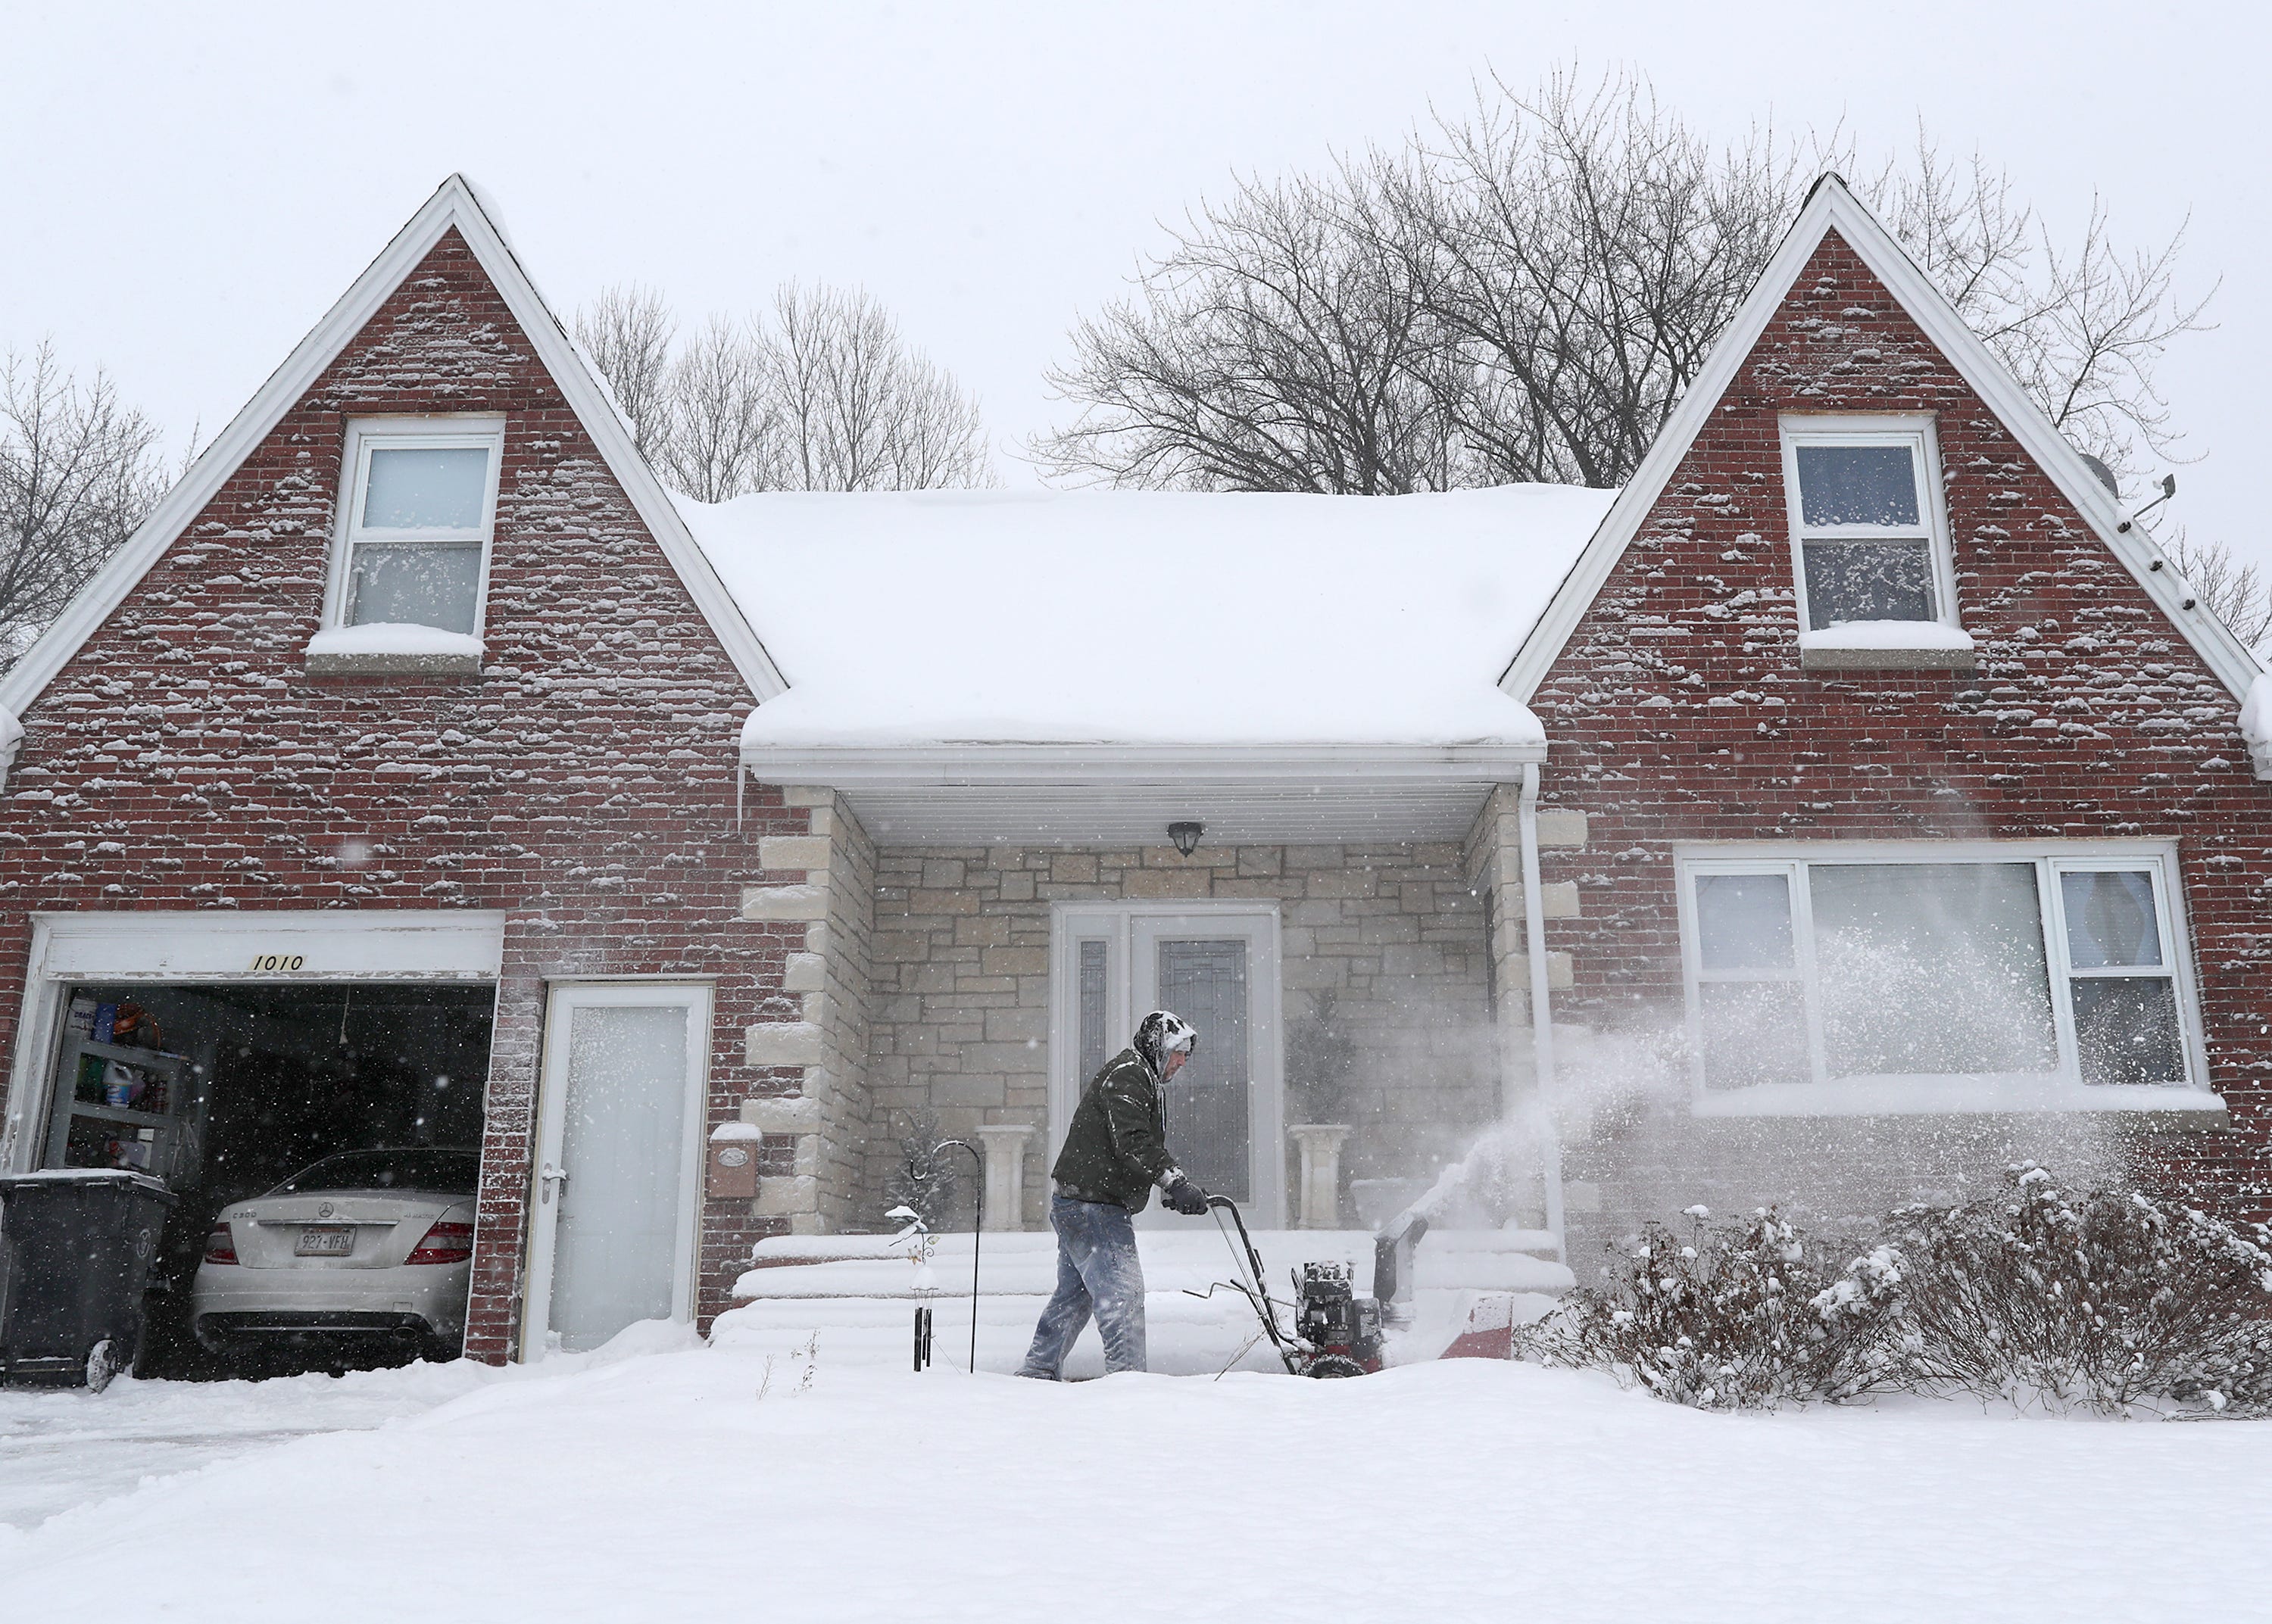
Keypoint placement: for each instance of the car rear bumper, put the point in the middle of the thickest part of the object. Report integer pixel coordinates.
(239, 1331)
(236, 1303)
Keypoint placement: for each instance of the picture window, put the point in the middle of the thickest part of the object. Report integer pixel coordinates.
(2021, 969)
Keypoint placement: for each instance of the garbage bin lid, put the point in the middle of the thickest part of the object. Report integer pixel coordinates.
(82, 1175)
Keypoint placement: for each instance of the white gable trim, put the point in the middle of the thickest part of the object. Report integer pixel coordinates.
(455, 204)
(1831, 207)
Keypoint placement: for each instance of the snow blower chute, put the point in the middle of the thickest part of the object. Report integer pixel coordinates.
(1335, 1332)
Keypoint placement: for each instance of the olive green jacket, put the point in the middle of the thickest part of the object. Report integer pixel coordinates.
(1117, 1147)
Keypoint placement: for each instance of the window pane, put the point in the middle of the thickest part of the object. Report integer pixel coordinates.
(2110, 919)
(2126, 1030)
(1755, 1032)
(1094, 1052)
(1743, 921)
(413, 584)
(1206, 1103)
(1868, 581)
(1932, 969)
(424, 487)
(1856, 485)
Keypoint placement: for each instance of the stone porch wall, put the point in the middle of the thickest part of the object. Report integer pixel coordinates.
(1393, 932)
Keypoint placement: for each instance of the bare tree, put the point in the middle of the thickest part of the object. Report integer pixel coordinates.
(1281, 345)
(627, 332)
(722, 432)
(2082, 328)
(79, 471)
(822, 394)
(2235, 592)
(1525, 292)
(859, 408)
(1590, 249)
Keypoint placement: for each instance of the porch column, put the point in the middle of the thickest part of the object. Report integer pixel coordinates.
(1320, 1145)
(821, 885)
(1005, 1173)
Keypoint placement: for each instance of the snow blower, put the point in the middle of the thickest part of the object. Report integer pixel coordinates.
(1334, 1332)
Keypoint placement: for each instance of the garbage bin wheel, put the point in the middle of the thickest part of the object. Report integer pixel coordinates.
(102, 1364)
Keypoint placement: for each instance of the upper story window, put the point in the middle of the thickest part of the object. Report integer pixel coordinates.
(1937, 978)
(421, 501)
(1866, 521)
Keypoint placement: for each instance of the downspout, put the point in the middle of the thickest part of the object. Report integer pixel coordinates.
(1542, 1008)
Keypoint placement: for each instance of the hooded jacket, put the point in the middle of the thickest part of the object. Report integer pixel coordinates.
(1116, 1149)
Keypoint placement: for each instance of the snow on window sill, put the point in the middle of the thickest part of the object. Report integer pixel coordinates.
(393, 650)
(1886, 646)
(2172, 1109)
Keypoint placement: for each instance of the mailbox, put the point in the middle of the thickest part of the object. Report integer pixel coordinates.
(734, 1161)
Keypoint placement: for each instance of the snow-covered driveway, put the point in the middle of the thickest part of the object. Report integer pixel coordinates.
(663, 1487)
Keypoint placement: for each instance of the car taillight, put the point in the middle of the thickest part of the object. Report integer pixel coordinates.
(221, 1246)
(444, 1243)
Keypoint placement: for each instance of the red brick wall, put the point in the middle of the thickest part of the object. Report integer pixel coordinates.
(585, 784)
(1678, 711)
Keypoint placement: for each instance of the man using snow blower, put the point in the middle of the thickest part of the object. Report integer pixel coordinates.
(1115, 1152)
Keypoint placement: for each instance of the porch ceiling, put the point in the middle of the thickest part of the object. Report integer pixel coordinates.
(1127, 795)
(1139, 815)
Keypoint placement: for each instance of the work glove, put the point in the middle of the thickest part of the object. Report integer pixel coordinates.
(1185, 1197)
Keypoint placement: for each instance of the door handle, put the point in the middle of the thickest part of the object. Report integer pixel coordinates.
(552, 1178)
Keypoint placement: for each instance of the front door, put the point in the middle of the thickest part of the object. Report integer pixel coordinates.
(1218, 969)
(618, 1162)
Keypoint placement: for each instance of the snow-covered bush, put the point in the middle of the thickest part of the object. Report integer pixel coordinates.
(2108, 1300)
(1741, 1315)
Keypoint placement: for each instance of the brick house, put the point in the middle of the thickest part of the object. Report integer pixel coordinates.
(1867, 797)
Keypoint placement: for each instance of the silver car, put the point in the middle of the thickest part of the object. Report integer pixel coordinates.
(369, 1248)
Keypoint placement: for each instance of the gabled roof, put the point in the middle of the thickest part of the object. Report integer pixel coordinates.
(456, 204)
(1832, 207)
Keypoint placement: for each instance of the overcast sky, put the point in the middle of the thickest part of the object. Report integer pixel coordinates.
(187, 188)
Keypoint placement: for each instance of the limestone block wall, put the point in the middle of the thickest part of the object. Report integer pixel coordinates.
(1393, 933)
(826, 882)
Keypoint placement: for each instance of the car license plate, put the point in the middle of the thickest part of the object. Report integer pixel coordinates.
(324, 1241)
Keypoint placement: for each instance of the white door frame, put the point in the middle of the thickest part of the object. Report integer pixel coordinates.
(211, 945)
(1117, 924)
(561, 998)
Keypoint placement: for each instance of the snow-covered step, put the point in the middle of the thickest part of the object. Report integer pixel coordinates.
(1025, 1263)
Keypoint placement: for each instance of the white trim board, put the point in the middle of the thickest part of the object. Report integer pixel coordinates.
(1829, 208)
(453, 204)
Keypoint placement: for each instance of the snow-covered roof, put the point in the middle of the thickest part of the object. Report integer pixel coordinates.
(1144, 618)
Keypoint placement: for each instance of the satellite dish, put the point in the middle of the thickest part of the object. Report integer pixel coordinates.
(2105, 475)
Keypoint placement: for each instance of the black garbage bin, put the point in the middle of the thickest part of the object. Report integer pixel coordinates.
(75, 1251)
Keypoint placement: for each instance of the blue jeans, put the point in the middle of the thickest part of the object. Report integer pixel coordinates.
(1097, 1271)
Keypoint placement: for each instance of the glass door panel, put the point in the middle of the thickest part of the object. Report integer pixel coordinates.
(1205, 981)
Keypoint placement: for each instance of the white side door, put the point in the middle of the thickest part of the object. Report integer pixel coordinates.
(618, 1185)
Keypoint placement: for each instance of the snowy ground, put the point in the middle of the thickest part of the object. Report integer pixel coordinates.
(662, 1486)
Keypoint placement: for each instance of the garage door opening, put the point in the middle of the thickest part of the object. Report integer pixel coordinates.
(343, 1117)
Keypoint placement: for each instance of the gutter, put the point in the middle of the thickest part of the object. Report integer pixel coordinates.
(1542, 1005)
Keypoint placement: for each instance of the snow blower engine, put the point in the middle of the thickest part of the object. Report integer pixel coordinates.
(1335, 1332)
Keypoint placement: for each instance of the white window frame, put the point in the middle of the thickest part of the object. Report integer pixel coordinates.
(1915, 432)
(2062, 1089)
(367, 435)
(1125, 928)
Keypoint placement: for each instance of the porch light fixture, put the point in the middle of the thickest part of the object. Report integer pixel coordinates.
(1187, 837)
